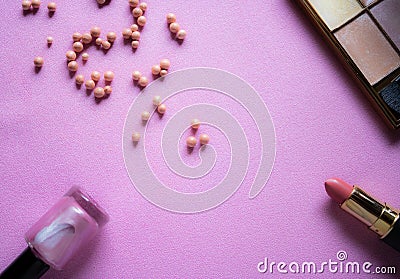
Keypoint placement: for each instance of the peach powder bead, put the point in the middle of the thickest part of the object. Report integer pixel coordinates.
(36, 4)
(174, 27)
(105, 44)
(99, 92)
(136, 75)
(111, 36)
(141, 21)
(95, 75)
(79, 79)
(134, 27)
(90, 84)
(191, 141)
(77, 46)
(145, 115)
(136, 12)
(26, 5)
(143, 6)
(195, 123)
(155, 70)
(95, 31)
(143, 81)
(171, 18)
(162, 109)
(133, 3)
(135, 136)
(163, 73)
(71, 55)
(85, 56)
(52, 7)
(50, 40)
(76, 37)
(108, 76)
(135, 35)
(156, 100)
(127, 33)
(101, 2)
(165, 64)
(107, 89)
(73, 66)
(86, 38)
(181, 34)
(135, 44)
(38, 61)
(99, 41)
(204, 139)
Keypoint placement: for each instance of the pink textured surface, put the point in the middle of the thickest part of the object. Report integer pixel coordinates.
(53, 135)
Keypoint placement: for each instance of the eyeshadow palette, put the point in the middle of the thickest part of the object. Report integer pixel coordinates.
(366, 36)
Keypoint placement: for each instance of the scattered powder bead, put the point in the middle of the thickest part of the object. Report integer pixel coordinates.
(95, 75)
(99, 41)
(52, 7)
(165, 64)
(163, 73)
(36, 4)
(181, 34)
(143, 6)
(156, 100)
(111, 36)
(90, 84)
(101, 2)
(171, 18)
(76, 37)
(49, 40)
(86, 38)
(135, 136)
(26, 5)
(108, 76)
(71, 55)
(141, 21)
(77, 47)
(135, 44)
(133, 3)
(162, 109)
(73, 66)
(99, 92)
(204, 139)
(174, 27)
(155, 70)
(191, 141)
(136, 12)
(95, 31)
(143, 81)
(85, 56)
(127, 33)
(38, 61)
(107, 89)
(195, 123)
(135, 35)
(134, 27)
(145, 115)
(136, 75)
(105, 44)
(79, 79)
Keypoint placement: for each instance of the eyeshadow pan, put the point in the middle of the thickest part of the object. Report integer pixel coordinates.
(368, 48)
(336, 12)
(387, 13)
(391, 96)
(367, 2)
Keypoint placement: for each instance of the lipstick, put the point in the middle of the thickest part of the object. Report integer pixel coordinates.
(378, 216)
(58, 235)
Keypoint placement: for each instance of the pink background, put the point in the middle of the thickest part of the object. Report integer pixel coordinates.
(53, 136)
